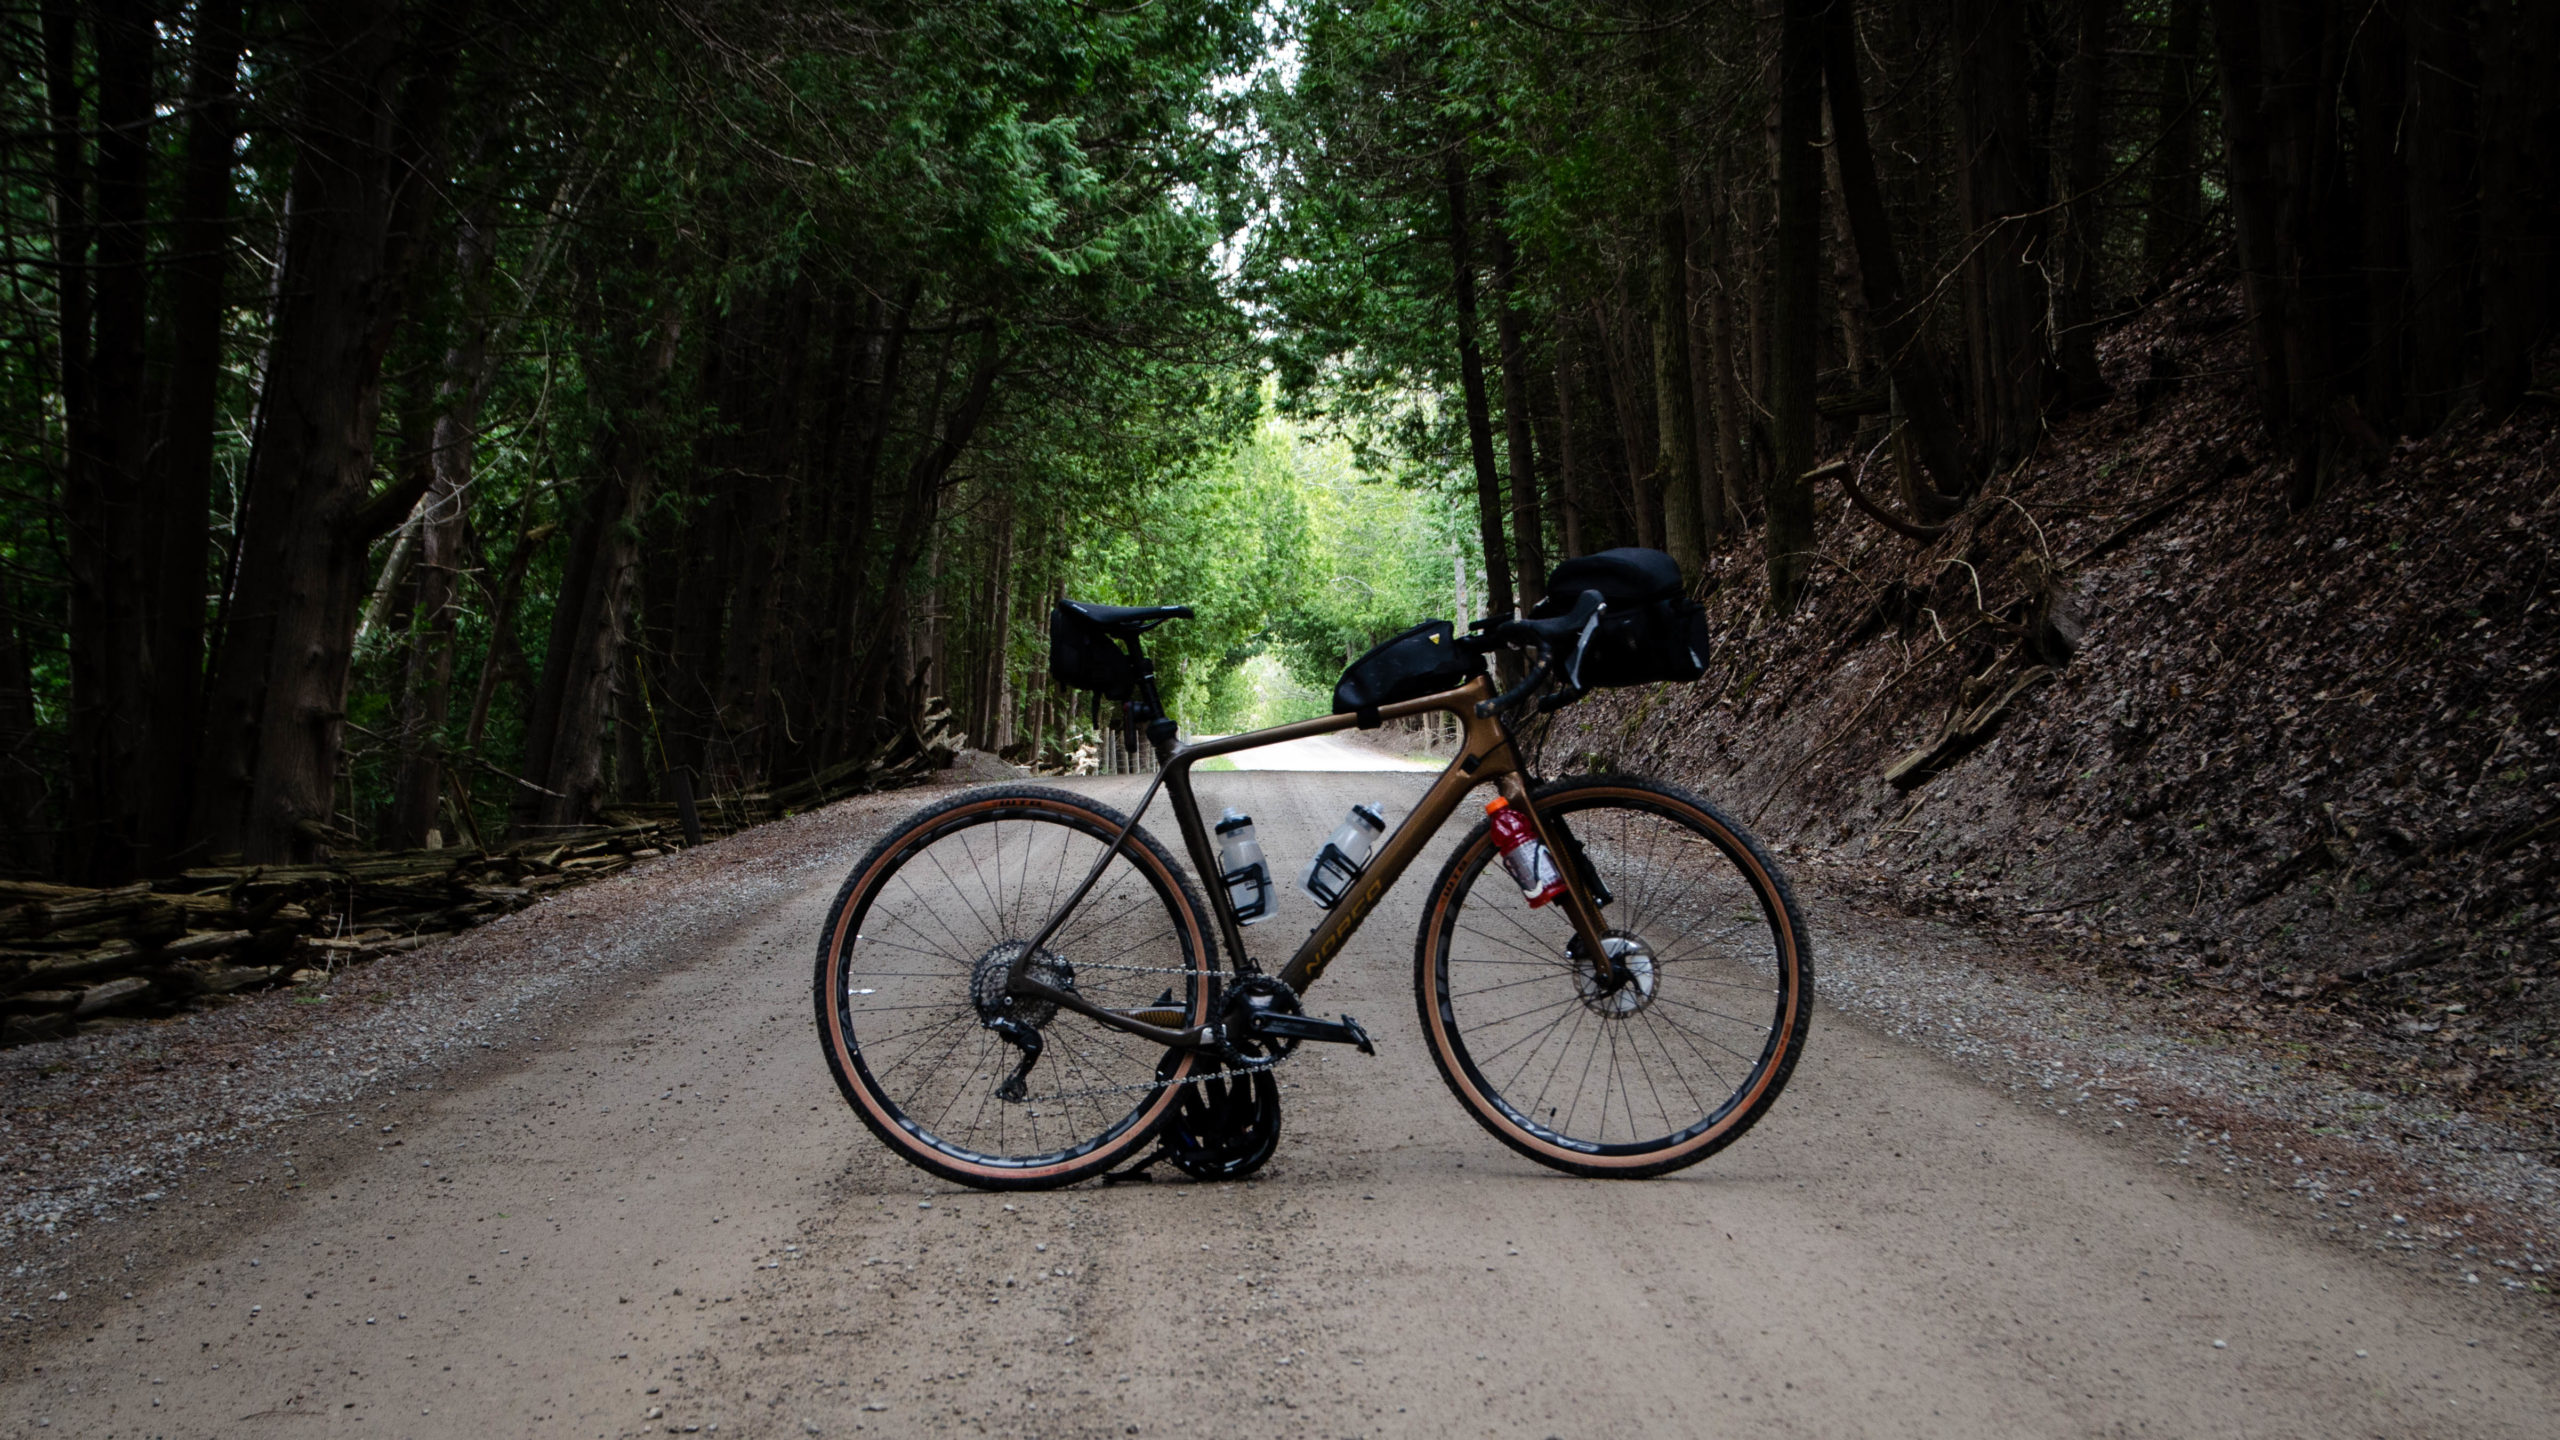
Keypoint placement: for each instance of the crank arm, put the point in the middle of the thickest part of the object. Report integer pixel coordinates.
(1345, 1031)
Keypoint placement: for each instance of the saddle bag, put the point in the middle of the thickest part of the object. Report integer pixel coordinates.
(1650, 631)
(1424, 660)
(1083, 656)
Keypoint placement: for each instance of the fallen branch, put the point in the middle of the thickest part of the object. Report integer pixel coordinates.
(1848, 481)
(1881, 691)
(1963, 734)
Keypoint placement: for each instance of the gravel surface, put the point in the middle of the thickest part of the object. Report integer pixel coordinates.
(2408, 1177)
(128, 1174)
(99, 1134)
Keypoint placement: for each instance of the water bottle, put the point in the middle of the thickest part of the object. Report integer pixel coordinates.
(1345, 854)
(1241, 868)
(1532, 868)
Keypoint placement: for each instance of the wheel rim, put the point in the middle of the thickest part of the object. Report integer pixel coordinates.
(910, 987)
(1599, 1074)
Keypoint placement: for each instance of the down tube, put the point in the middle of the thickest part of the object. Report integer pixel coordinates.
(1490, 749)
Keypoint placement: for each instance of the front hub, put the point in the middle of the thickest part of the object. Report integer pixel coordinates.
(1635, 976)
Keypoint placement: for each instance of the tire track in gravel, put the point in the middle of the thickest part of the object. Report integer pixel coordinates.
(668, 1209)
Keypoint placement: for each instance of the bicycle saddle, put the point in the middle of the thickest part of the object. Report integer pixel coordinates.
(1127, 620)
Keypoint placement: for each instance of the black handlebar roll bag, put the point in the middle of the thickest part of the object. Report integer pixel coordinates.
(1083, 656)
(1650, 632)
(1424, 660)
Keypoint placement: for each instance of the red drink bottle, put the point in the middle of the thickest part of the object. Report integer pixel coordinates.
(1531, 866)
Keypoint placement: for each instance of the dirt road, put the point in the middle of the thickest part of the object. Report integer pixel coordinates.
(661, 1217)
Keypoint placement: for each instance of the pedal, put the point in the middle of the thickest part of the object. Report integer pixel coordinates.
(1345, 1031)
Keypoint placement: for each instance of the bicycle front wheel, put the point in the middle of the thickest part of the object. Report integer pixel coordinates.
(1670, 1065)
(914, 960)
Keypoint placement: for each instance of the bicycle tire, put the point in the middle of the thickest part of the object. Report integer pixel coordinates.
(931, 946)
(1490, 1056)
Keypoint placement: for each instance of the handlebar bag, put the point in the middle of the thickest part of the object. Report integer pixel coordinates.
(1424, 660)
(1083, 656)
(1651, 632)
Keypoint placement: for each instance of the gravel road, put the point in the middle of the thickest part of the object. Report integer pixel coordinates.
(661, 1216)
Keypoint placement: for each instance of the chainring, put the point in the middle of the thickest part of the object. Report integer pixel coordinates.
(1223, 1127)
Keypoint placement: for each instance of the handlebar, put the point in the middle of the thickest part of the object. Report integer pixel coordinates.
(1574, 625)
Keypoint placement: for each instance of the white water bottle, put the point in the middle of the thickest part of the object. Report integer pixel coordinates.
(1241, 868)
(1345, 854)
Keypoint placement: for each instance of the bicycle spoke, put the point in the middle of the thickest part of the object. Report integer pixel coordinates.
(948, 903)
(1673, 1046)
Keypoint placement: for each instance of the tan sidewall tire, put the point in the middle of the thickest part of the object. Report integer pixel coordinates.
(1787, 933)
(844, 1058)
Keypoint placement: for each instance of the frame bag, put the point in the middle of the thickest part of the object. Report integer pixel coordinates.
(1650, 632)
(1424, 660)
(1083, 656)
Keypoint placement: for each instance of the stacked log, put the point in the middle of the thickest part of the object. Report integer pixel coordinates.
(75, 960)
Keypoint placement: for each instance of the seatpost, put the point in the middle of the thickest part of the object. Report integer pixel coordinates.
(1147, 704)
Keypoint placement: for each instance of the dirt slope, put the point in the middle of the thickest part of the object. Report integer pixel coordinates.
(2300, 778)
(660, 1217)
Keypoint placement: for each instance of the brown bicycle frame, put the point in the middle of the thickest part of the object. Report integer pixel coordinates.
(1485, 755)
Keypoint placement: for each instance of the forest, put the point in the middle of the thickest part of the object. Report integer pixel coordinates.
(437, 424)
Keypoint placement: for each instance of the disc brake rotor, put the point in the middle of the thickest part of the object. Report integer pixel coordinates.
(1635, 987)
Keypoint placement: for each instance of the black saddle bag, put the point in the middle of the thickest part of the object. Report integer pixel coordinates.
(1650, 631)
(1083, 656)
(1424, 660)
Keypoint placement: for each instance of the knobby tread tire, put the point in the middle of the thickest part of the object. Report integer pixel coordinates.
(1793, 950)
(1089, 815)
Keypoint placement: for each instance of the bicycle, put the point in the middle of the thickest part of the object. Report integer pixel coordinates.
(1640, 1023)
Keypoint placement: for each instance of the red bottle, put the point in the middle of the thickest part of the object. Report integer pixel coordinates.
(1531, 866)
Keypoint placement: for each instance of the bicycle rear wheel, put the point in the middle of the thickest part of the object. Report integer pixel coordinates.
(1671, 1066)
(913, 961)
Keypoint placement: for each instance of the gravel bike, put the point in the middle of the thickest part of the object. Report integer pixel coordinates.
(1020, 987)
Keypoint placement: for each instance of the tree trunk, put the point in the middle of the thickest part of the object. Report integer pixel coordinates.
(1462, 294)
(182, 472)
(2253, 202)
(427, 689)
(1674, 401)
(1717, 458)
(275, 712)
(1996, 187)
(1569, 479)
(2443, 188)
(108, 533)
(564, 742)
(2083, 217)
(1724, 349)
(1528, 544)
(1630, 382)
(506, 653)
(746, 683)
(1906, 353)
(878, 676)
(26, 830)
(1796, 307)
(853, 537)
(2519, 195)
(2174, 208)
(2381, 84)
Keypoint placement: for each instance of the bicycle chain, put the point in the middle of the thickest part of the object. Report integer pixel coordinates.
(1154, 1085)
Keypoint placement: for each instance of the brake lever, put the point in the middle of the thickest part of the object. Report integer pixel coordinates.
(1556, 700)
